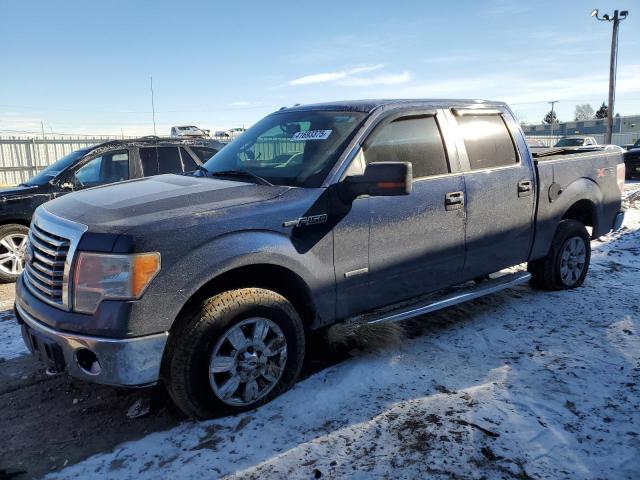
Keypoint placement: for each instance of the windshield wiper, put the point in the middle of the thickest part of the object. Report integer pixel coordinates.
(241, 173)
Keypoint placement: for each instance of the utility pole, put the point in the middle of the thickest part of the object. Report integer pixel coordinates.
(153, 110)
(552, 102)
(613, 63)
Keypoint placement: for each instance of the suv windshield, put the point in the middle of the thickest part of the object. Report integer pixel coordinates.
(56, 168)
(570, 142)
(290, 148)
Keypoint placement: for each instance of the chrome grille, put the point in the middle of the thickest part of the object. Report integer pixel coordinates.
(45, 264)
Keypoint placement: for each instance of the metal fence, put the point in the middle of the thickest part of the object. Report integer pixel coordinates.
(21, 158)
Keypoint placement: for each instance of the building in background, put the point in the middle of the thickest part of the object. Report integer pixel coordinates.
(621, 125)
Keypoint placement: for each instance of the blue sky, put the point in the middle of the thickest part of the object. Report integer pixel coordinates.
(84, 67)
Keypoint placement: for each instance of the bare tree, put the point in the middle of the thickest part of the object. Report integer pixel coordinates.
(584, 112)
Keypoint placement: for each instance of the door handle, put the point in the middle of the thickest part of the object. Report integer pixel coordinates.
(454, 200)
(524, 188)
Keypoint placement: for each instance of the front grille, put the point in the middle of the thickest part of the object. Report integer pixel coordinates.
(45, 261)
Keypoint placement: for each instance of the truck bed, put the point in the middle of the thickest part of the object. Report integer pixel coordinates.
(568, 176)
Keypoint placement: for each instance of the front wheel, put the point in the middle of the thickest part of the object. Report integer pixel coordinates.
(567, 263)
(13, 242)
(242, 349)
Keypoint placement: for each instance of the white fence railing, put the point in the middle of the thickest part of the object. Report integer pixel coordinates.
(21, 158)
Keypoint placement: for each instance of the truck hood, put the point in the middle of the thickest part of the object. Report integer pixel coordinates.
(120, 207)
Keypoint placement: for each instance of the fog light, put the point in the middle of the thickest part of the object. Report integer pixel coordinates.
(88, 362)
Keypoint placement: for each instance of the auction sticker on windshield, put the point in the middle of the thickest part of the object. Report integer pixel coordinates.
(311, 135)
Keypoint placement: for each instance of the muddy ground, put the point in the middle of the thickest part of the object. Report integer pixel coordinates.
(49, 422)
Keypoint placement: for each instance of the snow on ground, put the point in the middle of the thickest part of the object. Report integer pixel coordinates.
(522, 384)
(11, 344)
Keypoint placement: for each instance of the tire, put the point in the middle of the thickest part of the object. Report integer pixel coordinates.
(13, 239)
(567, 263)
(213, 333)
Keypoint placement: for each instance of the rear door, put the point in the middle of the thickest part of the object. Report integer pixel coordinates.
(499, 190)
(417, 241)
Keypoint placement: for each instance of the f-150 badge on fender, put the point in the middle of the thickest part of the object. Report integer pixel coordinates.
(305, 221)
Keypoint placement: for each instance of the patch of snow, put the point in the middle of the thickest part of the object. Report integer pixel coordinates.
(11, 343)
(521, 384)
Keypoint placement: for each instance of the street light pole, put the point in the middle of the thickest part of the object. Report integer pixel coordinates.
(613, 63)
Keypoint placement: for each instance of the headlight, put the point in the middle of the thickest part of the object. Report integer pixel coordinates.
(104, 276)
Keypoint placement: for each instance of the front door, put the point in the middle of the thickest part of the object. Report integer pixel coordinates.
(417, 241)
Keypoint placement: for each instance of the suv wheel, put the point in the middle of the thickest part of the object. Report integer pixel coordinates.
(242, 349)
(13, 242)
(567, 263)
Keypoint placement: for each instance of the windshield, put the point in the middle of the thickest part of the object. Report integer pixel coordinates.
(570, 142)
(56, 168)
(290, 148)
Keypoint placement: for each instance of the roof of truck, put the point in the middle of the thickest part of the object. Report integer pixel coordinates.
(367, 106)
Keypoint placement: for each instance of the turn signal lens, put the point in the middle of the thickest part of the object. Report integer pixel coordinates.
(101, 276)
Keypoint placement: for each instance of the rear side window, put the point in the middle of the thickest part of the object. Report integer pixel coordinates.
(204, 153)
(159, 160)
(410, 139)
(487, 141)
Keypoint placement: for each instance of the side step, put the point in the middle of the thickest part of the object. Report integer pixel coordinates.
(405, 311)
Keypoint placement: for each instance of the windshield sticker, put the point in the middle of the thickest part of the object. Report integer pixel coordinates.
(311, 135)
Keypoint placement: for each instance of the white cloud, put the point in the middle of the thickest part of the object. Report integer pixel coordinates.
(334, 76)
(388, 79)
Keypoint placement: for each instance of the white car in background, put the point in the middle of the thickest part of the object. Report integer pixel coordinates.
(188, 131)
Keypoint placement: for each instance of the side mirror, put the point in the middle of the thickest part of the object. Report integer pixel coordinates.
(67, 186)
(383, 179)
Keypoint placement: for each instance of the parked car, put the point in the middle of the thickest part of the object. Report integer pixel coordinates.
(102, 164)
(188, 131)
(576, 141)
(357, 212)
(632, 161)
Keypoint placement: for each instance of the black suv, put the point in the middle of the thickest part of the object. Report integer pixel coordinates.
(632, 161)
(102, 164)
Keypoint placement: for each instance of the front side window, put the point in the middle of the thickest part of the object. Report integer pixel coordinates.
(296, 148)
(159, 160)
(487, 141)
(108, 168)
(411, 139)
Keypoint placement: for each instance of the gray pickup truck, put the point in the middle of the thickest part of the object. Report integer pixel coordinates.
(363, 211)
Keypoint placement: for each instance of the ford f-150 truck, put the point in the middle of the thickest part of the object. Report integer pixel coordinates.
(363, 211)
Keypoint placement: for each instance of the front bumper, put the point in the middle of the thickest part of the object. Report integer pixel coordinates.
(130, 362)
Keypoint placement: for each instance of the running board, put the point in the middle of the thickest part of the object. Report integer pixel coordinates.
(462, 295)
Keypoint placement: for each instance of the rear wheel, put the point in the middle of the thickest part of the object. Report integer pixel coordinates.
(241, 350)
(13, 242)
(567, 263)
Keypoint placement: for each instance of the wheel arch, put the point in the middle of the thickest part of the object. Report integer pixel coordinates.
(262, 275)
(583, 211)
